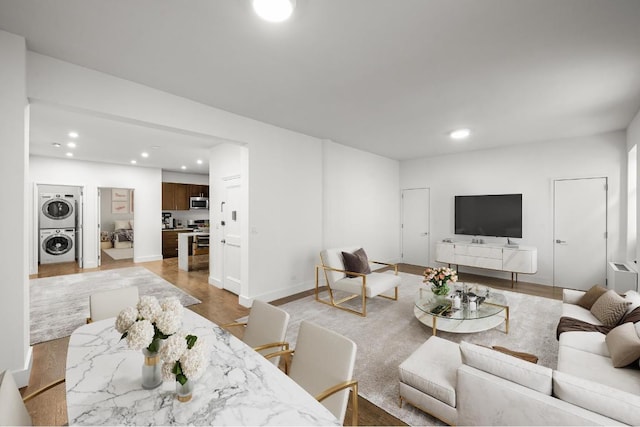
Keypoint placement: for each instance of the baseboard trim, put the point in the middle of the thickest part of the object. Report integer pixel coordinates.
(215, 282)
(277, 294)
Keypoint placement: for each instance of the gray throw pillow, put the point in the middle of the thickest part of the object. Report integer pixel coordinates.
(356, 262)
(610, 308)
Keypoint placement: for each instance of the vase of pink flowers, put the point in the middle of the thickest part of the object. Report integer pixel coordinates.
(439, 278)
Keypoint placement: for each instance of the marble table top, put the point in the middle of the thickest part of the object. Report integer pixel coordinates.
(240, 387)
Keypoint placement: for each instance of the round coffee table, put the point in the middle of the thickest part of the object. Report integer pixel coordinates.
(438, 312)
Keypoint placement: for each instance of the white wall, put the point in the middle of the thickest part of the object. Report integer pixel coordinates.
(146, 183)
(528, 169)
(633, 138)
(185, 178)
(361, 201)
(15, 352)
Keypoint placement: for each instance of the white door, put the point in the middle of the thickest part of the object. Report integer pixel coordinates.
(415, 226)
(580, 233)
(231, 279)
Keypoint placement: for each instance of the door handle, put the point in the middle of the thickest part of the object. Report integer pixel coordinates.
(223, 241)
(425, 234)
(561, 241)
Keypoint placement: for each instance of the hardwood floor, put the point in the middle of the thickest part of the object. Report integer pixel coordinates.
(219, 306)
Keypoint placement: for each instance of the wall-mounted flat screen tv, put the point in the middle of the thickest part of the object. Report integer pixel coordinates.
(498, 215)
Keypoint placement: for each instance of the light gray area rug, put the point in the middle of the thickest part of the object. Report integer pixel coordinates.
(390, 333)
(60, 304)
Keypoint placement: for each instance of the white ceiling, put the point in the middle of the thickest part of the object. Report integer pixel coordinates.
(387, 76)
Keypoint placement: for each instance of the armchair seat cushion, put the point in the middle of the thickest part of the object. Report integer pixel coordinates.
(377, 283)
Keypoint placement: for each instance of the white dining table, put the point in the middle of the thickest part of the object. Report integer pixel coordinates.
(239, 387)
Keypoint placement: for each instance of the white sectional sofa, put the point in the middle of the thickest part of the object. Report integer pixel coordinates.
(485, 387)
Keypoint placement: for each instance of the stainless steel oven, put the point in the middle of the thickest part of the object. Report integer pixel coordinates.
(198, 203)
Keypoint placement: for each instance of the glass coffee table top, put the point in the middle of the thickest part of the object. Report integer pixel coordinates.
(442, 314)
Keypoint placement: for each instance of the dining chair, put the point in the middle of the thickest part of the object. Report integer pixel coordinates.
(13, 411)
(322, 363)
(106, 304)
(265, 328)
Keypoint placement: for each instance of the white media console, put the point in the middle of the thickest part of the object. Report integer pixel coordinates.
(492, 256)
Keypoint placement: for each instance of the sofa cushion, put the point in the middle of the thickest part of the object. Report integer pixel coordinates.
(432, 369)
(602, 399)
(356, 262)
(510, 368)
(610, 308)
(624, 345)
(592, 342)
(580, 313)
(591, 296)
(597, 368)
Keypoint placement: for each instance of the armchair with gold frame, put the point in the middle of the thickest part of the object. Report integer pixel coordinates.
(358, 285)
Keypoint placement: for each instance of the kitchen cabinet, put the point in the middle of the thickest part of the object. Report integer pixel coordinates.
(170, 242)
(175, 196)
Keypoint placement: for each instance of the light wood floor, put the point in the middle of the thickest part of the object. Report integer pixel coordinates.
(219, 306)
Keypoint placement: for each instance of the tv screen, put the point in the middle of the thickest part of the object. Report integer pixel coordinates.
(498, 215)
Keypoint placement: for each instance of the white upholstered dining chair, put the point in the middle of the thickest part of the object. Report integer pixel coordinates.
(13, 412)
(106, 304)
(322, 363)
(265, 328)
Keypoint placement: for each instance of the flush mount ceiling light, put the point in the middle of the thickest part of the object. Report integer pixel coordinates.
(73, 134)
(145, 154)
(133, 162)
(183, 167)
(199, 161)
(56, 144)
(71, 144)
(460, 134)
(69, 154)
(274, 10)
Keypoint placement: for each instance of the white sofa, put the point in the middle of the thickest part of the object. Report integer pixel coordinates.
(585, 389)
(485, 387)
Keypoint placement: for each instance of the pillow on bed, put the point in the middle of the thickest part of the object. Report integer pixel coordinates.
(122, 225)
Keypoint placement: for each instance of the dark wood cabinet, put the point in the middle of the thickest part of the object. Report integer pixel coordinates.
(175, 196)
(170, 243)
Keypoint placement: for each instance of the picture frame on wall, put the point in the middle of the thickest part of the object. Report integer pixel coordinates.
(119, 195)
(120, 207)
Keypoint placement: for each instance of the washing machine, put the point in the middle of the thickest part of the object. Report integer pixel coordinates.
(57, 210)
(57, 245)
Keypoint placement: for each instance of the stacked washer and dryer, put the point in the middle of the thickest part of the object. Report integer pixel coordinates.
(58, 222)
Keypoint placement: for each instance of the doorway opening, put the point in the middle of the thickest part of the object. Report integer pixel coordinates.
(115, 225)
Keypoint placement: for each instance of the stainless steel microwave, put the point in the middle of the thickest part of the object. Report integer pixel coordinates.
(198, 203)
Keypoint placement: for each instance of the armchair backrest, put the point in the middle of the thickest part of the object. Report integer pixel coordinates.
(267, 324)
(333, 258)
(323, 359)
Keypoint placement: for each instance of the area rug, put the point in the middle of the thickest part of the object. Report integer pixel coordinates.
(390, 333)
(121, 253)
(60, 304)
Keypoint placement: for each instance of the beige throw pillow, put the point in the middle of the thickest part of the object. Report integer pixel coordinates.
(591, 296)
(624, 345)
(610, 308)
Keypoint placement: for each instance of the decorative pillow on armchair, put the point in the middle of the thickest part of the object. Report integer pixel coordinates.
(356, 262)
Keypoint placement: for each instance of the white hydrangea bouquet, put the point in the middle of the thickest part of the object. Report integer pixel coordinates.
(149, 322)
(185, 358)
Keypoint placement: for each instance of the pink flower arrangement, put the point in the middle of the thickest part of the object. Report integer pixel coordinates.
(439, 278)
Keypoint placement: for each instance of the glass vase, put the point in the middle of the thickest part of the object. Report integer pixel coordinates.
(151, 370)
(184, 392)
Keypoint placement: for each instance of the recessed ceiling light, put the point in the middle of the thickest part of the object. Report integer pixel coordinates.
(144, 154)
(183, 167)
(274, 10)
(56, 144)
(199, 161)
(69, 154)
(73, 134)
(133, 162)
(71, 144)
(460, 134)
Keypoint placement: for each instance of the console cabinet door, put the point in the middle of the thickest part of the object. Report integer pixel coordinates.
(445, 253)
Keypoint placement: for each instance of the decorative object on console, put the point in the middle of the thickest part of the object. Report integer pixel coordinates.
(185, 360)
(440, 277)
(145, 326)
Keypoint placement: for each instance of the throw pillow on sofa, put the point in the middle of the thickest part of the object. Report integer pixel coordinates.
(610, 308)
(356, 262)
(623, 344)
(591, 296)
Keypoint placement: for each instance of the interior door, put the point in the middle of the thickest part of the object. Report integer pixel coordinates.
(415, 226)
(580, 233)
(231, 279)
